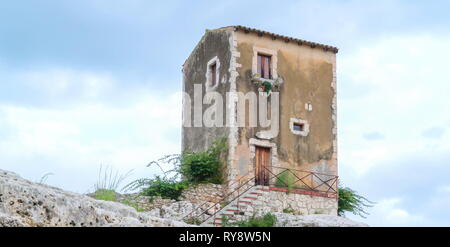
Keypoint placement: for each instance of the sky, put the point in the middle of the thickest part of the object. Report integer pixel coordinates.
(97, 82)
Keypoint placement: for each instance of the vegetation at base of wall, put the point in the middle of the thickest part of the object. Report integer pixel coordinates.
(289, 211)
(165, 188)
(193, 221)
(225, 221)
(204, 167)
(185, 170)
(351, 201)
(132, 204)
(224, 203)
(285, 180)
(267, 220)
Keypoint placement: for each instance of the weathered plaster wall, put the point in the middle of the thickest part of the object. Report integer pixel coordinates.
(214, 43)
(308, 93)
(309, 78)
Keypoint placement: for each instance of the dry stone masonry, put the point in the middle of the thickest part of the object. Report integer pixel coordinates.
(298, 204)
(260, 200)
(204, 193)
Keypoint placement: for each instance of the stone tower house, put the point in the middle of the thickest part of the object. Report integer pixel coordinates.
(233, 67)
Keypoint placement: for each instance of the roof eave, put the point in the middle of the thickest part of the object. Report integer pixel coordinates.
(286, 38)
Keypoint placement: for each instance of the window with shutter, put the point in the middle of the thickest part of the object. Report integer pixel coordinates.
(264, 66)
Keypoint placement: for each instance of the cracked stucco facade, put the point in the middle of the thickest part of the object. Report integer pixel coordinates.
(308, 92)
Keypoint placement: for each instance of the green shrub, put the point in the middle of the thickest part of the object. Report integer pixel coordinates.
(204, 167)
(285, 180)
(351, 201)
(108, 183)
(165, 188)
(201, 168)
(105, 195)
(108, 179)
(132, 203)
(289, 210)
(186, 169)
(267, 220)
(193, 221)
(225, 221)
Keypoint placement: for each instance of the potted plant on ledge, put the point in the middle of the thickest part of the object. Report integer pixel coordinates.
(266, 85)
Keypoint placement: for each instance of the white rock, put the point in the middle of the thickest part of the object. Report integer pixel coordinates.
(8, 221)
(24, 203)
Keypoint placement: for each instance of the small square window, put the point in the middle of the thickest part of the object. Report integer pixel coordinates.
(265, 66)
(299, 126)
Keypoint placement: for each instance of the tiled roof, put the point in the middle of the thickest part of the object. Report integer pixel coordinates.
(285, 38)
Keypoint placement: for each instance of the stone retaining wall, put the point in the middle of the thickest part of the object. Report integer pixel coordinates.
(209, 194)
(143, 203)
(295, 202)
(300, 204)
(203, 193)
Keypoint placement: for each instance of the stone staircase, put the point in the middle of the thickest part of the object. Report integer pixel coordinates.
(240, 208)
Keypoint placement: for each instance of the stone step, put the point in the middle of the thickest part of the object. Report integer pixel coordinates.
(214, 224)
(239, 206)
(245, 202)
(256, 193)
(236, 207)
(261, 187)
(227, 214)
(232, 210)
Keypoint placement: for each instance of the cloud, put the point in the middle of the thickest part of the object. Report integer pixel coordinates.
(373, 136)
(433, 133)
(406, 95)
(390, 212)
(102, 88)
(79, 137)
(445, 188)
(406, 84)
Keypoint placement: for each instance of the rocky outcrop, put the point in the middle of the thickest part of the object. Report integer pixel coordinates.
(24, 203)
(315, 220)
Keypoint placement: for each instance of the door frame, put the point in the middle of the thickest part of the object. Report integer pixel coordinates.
(262, 177)
(253, 143)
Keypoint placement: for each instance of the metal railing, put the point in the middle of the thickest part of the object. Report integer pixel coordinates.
(203, 209)
(236, 194)
(281, 177)
(302, 180)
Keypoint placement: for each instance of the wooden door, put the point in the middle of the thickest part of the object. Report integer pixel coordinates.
(262, 164)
